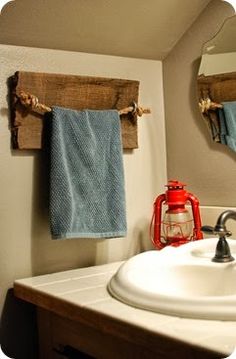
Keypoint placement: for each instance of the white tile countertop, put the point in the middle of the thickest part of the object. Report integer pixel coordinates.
(86, 290)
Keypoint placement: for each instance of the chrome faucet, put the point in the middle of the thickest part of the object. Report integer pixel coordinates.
(222, 253)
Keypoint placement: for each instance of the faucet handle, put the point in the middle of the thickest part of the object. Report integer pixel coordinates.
(217, 230)
(222, 253)
(222, 231)
(208, 229)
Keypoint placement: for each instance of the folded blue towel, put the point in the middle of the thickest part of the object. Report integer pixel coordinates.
(228, 124)
(87, 197)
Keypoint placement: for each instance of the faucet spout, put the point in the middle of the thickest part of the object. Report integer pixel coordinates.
(222, 253)
(221, 221)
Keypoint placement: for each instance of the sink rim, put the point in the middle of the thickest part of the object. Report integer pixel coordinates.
(216, 307)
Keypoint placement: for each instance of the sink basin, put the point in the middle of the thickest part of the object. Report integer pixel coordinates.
(180, 281)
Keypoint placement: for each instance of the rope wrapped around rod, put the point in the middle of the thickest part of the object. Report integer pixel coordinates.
(206, 105)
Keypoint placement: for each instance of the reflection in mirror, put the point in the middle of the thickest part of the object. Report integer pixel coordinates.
(217, 85)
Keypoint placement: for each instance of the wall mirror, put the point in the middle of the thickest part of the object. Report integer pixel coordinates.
(217, 85)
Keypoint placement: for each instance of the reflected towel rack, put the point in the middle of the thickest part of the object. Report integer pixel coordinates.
(207, 104)
(31, 101)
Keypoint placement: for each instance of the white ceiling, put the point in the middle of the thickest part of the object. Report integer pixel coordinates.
(131, 28)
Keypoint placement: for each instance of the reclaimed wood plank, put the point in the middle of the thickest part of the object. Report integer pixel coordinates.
(70, 91)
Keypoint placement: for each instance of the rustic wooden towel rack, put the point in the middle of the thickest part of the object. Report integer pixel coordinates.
(215, 89)
(29, 91)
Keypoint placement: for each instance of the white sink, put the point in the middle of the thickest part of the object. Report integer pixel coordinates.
(180, 281)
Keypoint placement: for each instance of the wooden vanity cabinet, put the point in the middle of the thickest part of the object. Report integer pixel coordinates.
(57, 333)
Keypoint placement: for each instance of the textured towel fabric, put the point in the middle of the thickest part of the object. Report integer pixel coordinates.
(87, 197)
(223, 128)
(228, 120)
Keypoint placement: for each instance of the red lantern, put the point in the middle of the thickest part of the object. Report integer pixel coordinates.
(177, 226)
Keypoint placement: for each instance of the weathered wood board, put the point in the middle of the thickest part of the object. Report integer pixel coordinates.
(75, 92)
(218, 88)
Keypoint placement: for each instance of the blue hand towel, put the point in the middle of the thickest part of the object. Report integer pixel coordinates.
(87, 196)
(228, 120)
(223, 128)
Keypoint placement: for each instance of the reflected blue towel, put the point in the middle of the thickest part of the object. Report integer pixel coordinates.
(228, 124)
(87, 197)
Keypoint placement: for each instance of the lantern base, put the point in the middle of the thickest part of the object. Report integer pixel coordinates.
(174, 242)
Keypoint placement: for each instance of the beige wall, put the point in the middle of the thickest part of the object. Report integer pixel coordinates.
(26, 246)
(208, 168)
